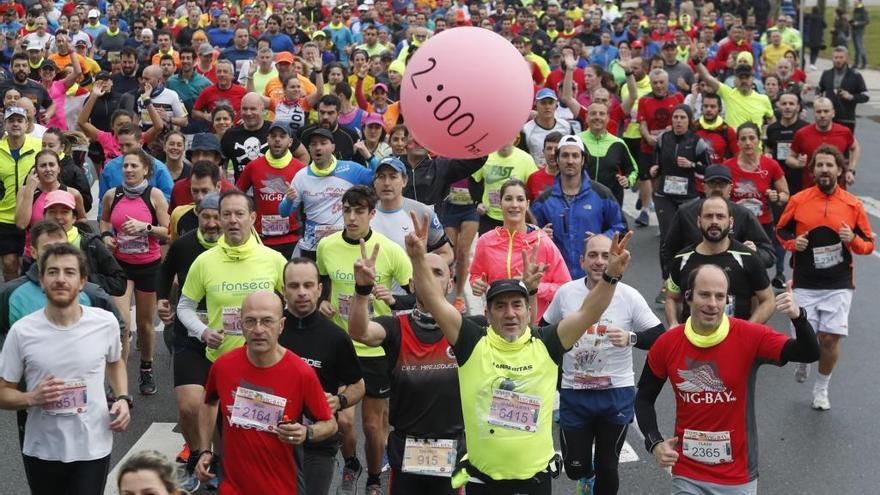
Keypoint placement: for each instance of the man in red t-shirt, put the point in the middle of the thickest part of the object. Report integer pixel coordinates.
(824, 131)
(543, 179)
(204, 147)
(720, 136)
(270, 176)
(710, 362)
(225, 92)
(262, 390)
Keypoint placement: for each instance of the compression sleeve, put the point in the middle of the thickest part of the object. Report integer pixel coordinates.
(644, 340)
(186, 314)
(804, 348)
(649, 388)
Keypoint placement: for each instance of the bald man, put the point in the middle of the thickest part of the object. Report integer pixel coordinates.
(824, 130)
(263, 389)
(248, 140)
(33, 128)
(166, 101)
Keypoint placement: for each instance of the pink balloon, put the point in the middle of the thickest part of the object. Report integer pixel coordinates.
(466, 92)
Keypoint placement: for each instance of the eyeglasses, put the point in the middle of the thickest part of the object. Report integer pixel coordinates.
(251, 323)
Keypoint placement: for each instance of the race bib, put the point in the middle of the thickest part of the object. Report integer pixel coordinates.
(707, 447)
(514, 410)
(132, 244)
(586, 381)
(232, 321)
(828, 256)
(755, 206)
(460, 196)
(322, 231)
(73, 400)
(429, 457)
(782, 151)
(274, 225)
(257, 410)
(495, 198)
(677, 186)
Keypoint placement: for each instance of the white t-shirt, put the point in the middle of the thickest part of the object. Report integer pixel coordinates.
(396, 224)
(169, 101)
(594, 363)
(36, 348)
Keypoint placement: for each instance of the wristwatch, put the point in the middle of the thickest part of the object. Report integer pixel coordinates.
(633, 338)
(309, 433)
(149, 227)
(126, 398)
(343, 401)
(609, 278)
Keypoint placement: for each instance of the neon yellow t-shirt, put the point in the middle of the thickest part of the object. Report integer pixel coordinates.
(740, 108)
(336, 258)
(224, 283)
(513, 440)
(773, 55)
(643, 87)
(496, 171)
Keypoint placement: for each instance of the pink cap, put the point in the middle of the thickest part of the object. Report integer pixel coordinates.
(374, 118)
(59, 197)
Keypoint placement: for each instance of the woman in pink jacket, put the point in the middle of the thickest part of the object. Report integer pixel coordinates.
(499, 251)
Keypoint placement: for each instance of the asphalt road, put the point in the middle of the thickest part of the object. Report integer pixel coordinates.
(801, 450)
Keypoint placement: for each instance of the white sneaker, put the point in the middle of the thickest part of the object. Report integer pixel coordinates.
(801, 372)
(820, 399)
(812, 68)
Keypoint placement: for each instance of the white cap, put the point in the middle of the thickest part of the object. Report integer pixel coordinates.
(34, 44)
(146, 31)
(571, 140)
(94, 13)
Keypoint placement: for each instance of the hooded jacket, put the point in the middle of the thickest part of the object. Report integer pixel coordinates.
(594, 209)
(499, 255)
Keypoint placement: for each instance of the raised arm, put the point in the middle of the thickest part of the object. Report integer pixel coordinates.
(710, 80)
(567, 97)
(360, 327)
(445, 314)
(83, 120)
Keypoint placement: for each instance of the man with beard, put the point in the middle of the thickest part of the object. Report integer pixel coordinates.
(69, 431)
(575, 205)
(747, 275)
(824, 131)
(21, 82)
(684, 229)
(328, 118)
(126, 81)
(823, 226)
(190, 364)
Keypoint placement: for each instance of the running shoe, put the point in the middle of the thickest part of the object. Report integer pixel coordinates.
(459, 305)
(374, 490)
(661, 296)
(820, 399)
(779, 281)
(183, 455)
(349, 481)
(190, 483)
(146, 382)
(801, 372)
(585, 486)
(643, 220)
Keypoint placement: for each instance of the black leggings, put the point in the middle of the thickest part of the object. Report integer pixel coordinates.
(68, 478)
(577, 446)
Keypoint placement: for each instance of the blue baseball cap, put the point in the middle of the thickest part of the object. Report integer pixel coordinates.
(392, 162)
(546, 93)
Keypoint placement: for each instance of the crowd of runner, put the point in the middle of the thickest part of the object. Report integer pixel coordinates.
(260, 195)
